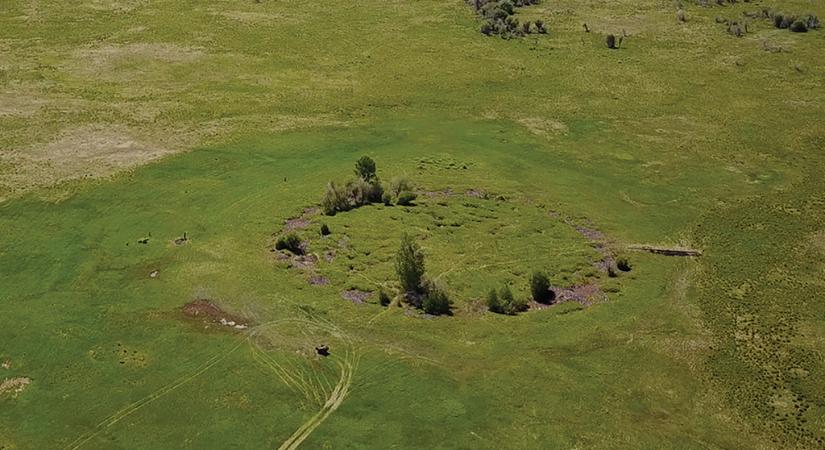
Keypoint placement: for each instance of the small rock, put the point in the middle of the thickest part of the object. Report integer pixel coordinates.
(240, 327)
(231, 323)
(6, 364)
(153, 274)
(223, 321)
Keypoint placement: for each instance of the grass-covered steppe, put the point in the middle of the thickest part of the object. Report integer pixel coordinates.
(134, 121)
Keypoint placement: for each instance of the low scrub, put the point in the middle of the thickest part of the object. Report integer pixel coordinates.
(503, 302)
(291, 243)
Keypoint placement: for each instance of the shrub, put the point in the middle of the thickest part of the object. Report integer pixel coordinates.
(799, 27)
(509, 304)
(540, 288)
(409, 265)
(383, 298)
(610, 41)
(525, 27)
(291, 242)
(812, 22)
(436, 301)
(365, 169)
(406, 198)
(540, 28)
(399, 185)
(624, 265)
(325, 230)
(493, 303)
(335, 199)
(386, 198)
(487, 28)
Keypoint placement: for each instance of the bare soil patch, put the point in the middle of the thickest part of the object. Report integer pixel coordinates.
(211, 314)
(585, 294)
(14, 386)
(356, 296)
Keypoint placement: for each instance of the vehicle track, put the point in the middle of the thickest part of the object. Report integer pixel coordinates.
(336, 397)
(136, 405)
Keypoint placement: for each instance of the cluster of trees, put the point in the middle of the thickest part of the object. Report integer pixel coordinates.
(416, 288)
(366, 188)
(504, 302)
(499, 19)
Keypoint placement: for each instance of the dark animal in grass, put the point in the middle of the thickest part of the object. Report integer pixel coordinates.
(325, 230)
(322, 349)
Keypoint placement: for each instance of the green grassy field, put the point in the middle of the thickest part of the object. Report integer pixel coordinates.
(130, 119)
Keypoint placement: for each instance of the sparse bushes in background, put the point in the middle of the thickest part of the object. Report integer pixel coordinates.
(290, 242)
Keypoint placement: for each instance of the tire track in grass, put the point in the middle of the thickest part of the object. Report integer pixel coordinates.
(136, 405)
(336, 397)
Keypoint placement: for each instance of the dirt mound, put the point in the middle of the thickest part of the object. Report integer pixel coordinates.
(14, 386)
(212, 314)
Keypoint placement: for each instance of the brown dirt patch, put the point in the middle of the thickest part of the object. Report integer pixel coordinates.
(585, 294)
(211, 314)
(14, 386)
(543, 127)
(317, 280)
(356, 296)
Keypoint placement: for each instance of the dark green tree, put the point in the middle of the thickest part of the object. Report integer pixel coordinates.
(409, 265)
(540, 288)
(365, 169)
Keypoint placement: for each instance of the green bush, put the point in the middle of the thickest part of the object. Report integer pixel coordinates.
(399, 185)
(325, 230)
(504, 302)
(291, 242)
(406, 198)
(799, 27)
(335, 199)
(383, 298)
(493, 303)
(409, 265)
(436, 301)
(540, 288)
(624, 265)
